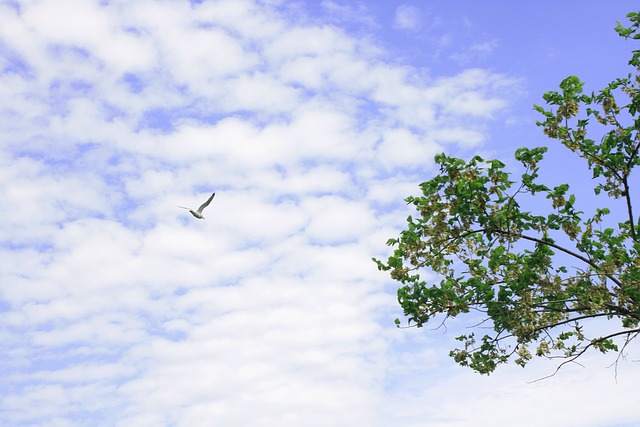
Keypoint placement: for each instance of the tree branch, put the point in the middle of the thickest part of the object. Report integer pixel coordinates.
(582, 351)
(627, 196)
(562, 249)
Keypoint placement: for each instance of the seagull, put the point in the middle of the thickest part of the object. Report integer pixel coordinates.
(198, 213)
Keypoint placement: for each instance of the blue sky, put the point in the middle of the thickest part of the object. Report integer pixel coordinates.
(312, 121)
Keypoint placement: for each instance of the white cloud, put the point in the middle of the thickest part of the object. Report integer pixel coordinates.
(407, 17)
(314, 41)
(475, 51)
(465, 137)
(400, 148)
(259, 92)
(346, 11)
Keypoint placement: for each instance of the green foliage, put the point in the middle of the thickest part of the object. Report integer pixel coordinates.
(494, 257)
(632, 32)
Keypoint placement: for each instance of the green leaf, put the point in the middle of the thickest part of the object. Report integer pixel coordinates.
(506, 240)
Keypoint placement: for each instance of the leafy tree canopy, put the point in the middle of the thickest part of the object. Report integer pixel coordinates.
(536, 276)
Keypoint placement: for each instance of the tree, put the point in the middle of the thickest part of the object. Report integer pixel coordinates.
(538, 279)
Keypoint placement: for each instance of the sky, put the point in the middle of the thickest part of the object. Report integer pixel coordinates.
(312, 121)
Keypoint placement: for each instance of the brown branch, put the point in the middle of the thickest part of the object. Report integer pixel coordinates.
(560, 248)
(553, 325)
(627, 340)
(632, 156)
(582, 351)
(627, 196)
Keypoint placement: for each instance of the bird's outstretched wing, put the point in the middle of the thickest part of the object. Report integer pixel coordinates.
(205, 204)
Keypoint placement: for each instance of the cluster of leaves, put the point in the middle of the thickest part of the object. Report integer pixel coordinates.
(494, 257)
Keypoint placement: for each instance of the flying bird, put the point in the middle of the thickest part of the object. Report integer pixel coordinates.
(198, 213)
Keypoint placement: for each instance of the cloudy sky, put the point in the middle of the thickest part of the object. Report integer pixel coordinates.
(311, 120)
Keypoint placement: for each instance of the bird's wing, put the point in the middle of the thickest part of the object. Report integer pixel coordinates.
(205, 204)
(183, 207)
